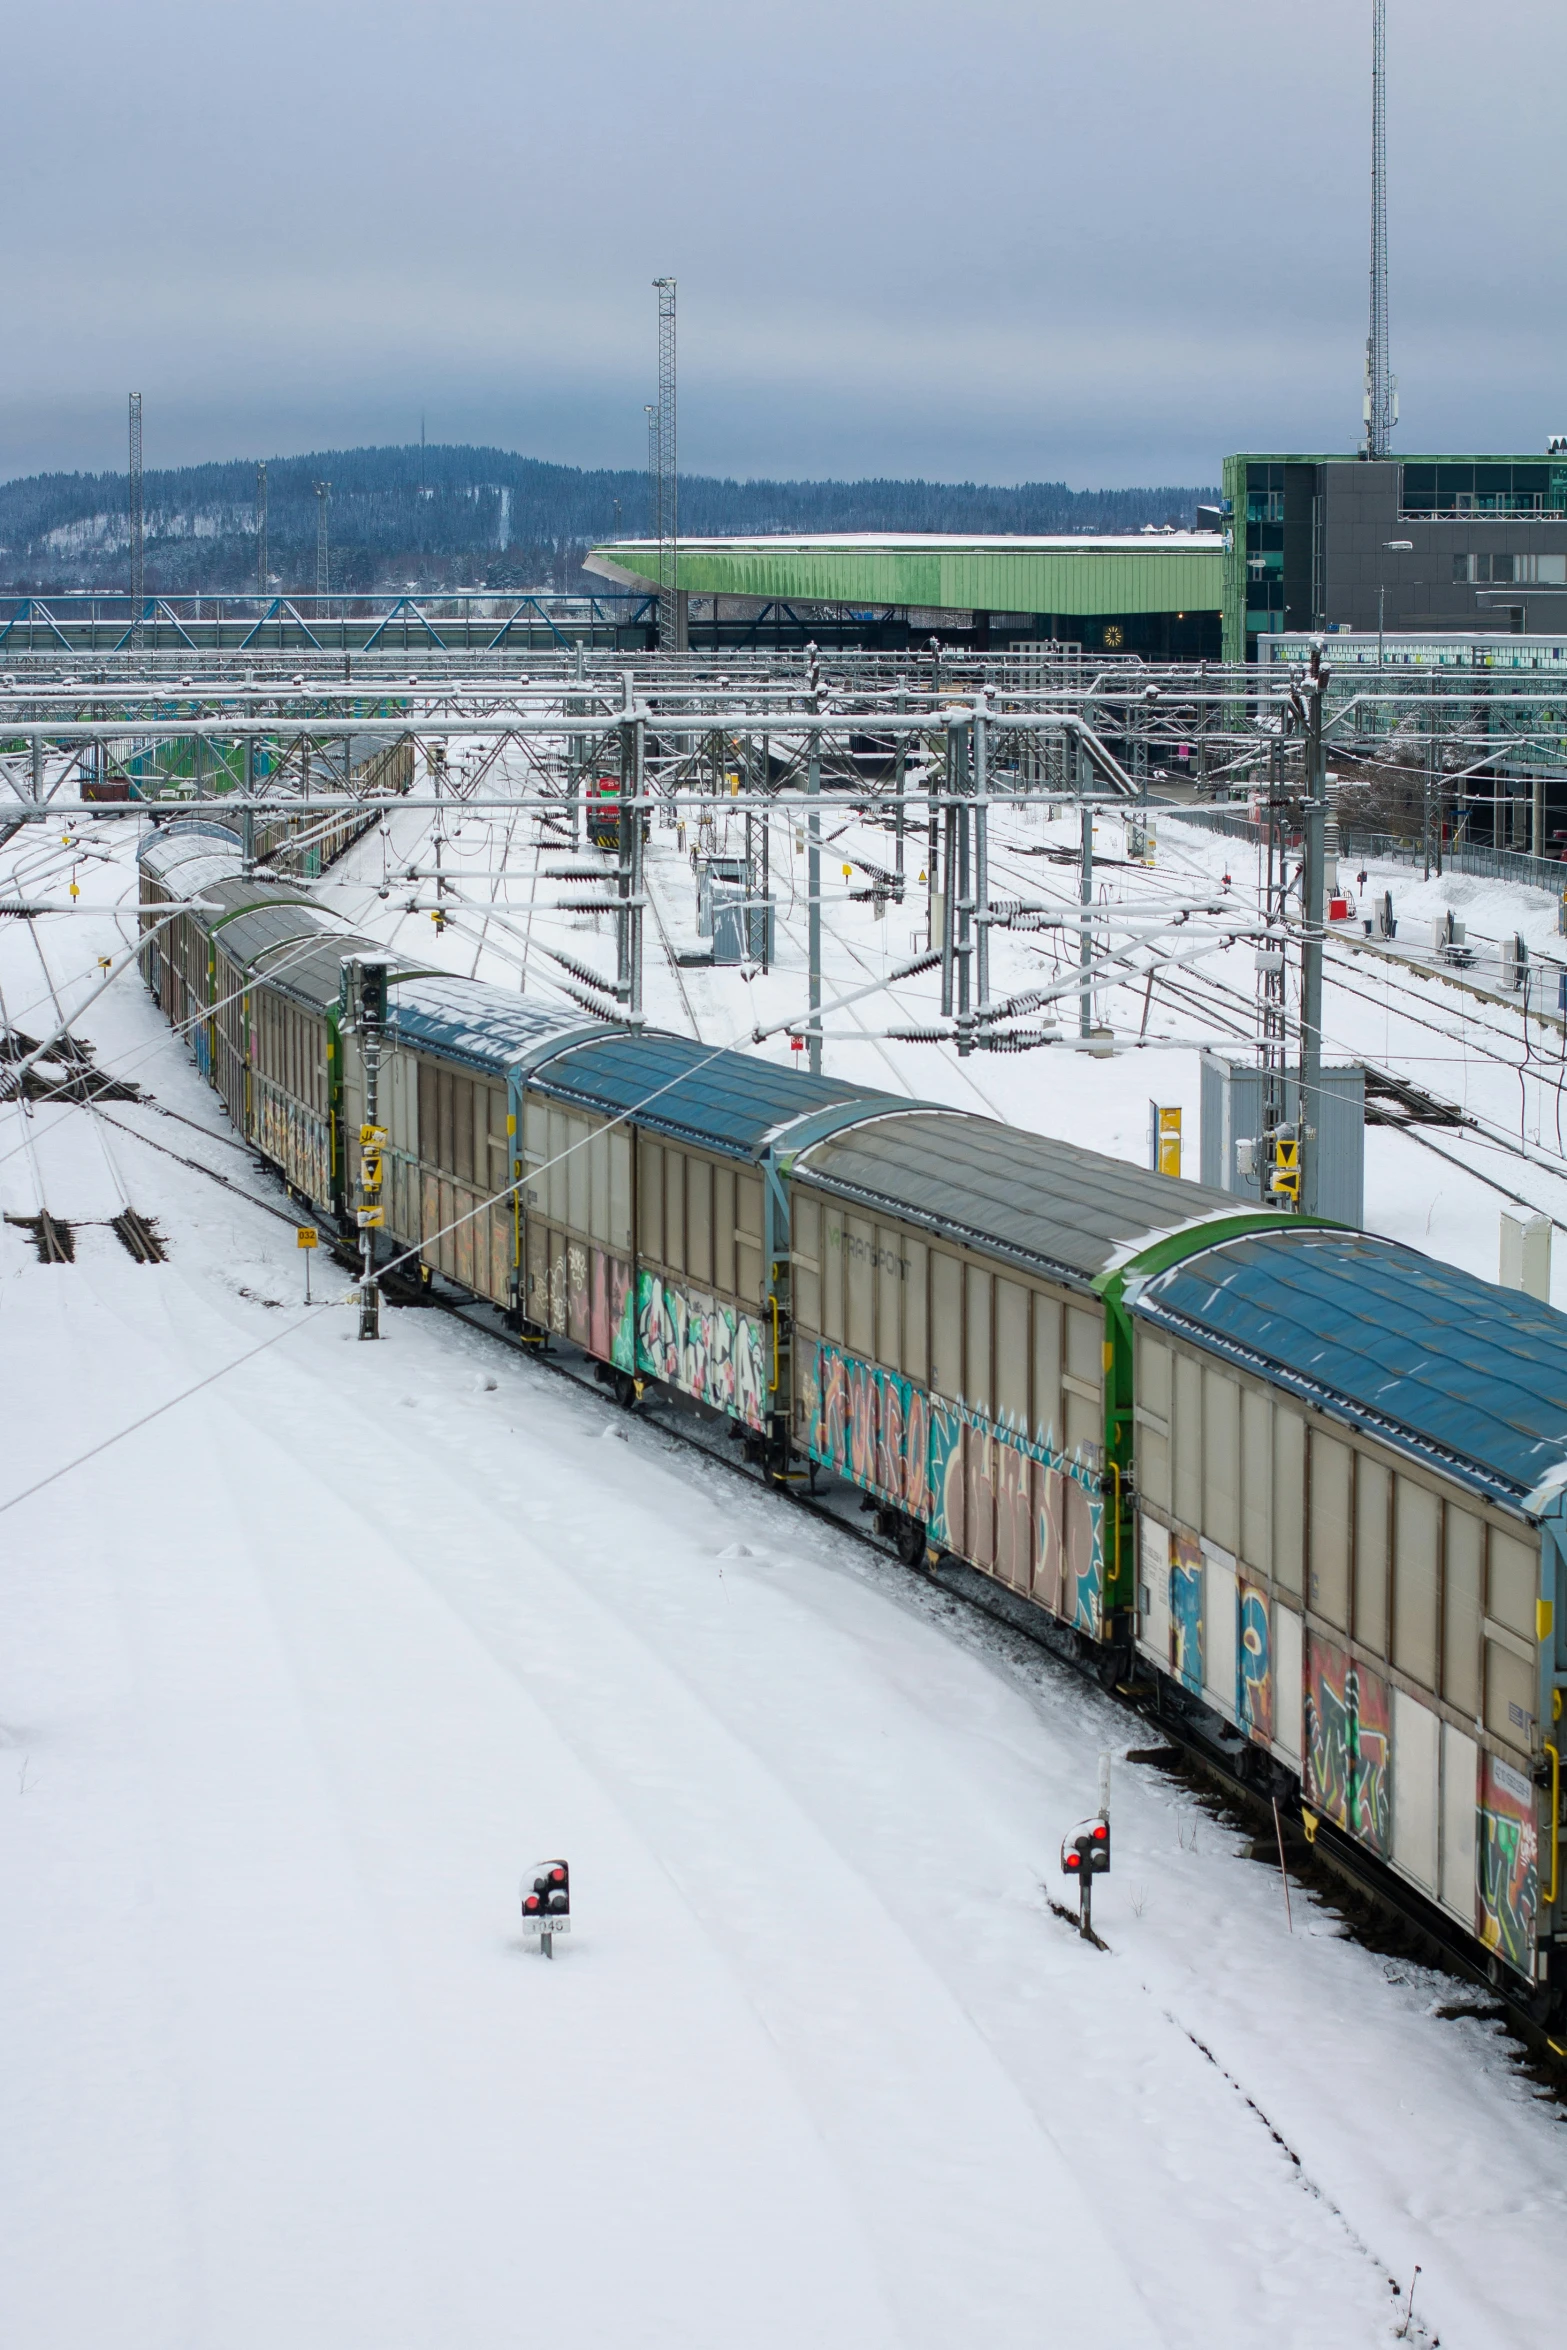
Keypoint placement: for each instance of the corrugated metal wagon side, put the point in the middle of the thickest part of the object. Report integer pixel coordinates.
(651, 1214)
(952, 1352)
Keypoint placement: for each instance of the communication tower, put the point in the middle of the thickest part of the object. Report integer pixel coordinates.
(1381, 396)
(261, 528)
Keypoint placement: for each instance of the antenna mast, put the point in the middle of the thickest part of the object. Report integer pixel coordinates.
(668, 513)
(1381, 398)
(138, 577)
(261, 528)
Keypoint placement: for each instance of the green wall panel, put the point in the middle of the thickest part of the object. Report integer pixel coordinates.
(1143, 576)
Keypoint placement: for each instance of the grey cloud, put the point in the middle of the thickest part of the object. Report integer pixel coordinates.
(1005, 240)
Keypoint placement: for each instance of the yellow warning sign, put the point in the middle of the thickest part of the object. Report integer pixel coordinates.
(306, 1236)
(1285, 1179)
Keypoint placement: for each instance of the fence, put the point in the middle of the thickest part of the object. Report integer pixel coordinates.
(1546, 873)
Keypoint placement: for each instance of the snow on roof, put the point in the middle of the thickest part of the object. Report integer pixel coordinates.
(946, 542)
(482, 1024)
(1430, 1358)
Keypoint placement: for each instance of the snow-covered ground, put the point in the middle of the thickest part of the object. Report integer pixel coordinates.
(298, 1677)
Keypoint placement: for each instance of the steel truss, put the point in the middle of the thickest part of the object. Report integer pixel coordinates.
(593, 749)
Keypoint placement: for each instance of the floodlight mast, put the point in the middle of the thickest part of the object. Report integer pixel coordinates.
(135, 517)
(671, 635)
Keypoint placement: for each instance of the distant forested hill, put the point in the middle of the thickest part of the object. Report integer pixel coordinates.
(461, 517)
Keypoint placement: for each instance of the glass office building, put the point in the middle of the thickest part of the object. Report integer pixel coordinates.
(1422, 545)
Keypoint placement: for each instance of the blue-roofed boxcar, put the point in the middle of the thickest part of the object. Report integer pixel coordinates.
(1351, 1480)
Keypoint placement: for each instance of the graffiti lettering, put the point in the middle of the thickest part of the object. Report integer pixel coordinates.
(868, 1252)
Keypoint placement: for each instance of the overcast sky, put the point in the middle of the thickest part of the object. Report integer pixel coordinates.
(996, 240)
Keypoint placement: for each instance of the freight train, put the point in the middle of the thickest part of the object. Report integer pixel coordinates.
(1310, 1483)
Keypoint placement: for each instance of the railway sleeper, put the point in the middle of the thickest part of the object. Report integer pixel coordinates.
(139, 1237)
(50, 1236)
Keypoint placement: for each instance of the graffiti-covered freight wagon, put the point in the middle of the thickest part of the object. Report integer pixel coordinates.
(952, 1349)
(656, 1213)
(1350, 1549)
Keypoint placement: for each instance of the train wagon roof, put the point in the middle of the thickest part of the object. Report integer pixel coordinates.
(1433, 1360)
(439, 1012)
(1044, 1203)
(310, 970)
(190, 845)
(721, 1101)
(202, 859)
(247, 935)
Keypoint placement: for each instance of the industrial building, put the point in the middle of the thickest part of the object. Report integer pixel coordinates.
(1413, 546)
(1156, 593)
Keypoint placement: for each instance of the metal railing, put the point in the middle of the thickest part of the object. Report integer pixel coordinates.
(1547, 873)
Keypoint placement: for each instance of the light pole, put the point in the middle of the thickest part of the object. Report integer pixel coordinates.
(1389, 547)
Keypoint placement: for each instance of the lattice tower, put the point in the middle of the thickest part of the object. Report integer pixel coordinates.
(668, 505)
(323, 490)
(1381, 397)
(138, 572)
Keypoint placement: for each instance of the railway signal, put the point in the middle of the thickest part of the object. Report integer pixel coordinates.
(546, 1903)
(365, 991)
(1085, 1853)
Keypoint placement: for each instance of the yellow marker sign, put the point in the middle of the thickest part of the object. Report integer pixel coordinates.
(372, 1138)
(1166, 1137)
(75, 892)
(370, 1173)
(371, 1219)
(848, 873)
(1285, 1179)
(306, 1236)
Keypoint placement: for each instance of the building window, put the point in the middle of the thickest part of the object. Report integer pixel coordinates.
(1455, 490)
(1511, 570)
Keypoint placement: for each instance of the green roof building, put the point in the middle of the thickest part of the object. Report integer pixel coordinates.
(1156, 593)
